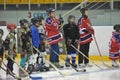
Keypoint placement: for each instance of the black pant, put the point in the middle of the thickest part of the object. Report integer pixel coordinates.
(10, 64)
(70, 48)
(84, 48)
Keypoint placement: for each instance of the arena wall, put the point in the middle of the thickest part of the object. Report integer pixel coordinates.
(97, 17)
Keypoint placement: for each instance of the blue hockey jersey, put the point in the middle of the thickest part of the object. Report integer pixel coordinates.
(35, 36)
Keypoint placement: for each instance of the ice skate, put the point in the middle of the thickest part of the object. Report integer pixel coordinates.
(74, 65)
(114, 64)
(9, 77)
(58, 65)
(82, 65)
(67, 64)
(22, 74)
(88, 65)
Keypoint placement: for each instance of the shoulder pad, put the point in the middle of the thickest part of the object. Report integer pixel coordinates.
(49, 21)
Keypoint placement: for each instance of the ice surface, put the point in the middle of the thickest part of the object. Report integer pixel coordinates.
(92, 73)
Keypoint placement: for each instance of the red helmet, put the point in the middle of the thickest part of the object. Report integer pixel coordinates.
(11, 26)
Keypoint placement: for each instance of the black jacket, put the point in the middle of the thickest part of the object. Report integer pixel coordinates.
(71, 31)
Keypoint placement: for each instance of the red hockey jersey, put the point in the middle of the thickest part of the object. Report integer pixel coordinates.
(52, 33)
(114, 46)
(85, 24)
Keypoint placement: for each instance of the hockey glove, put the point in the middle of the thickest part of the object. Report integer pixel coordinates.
(76, 41)
(61, 20)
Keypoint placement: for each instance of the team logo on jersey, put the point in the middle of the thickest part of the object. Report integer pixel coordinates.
(49, 21)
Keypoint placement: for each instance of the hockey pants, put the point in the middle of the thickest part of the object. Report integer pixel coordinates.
(54, 57)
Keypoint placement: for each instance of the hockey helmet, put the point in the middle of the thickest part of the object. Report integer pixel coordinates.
(1, 31)
(71, 17)
(116, 27)
(41, 18)
(23, 22)
(35, 20)
(11, 26)
(50, 10)
(83, 10)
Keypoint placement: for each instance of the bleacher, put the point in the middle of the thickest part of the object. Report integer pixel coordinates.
(47, 1)
(61, 4)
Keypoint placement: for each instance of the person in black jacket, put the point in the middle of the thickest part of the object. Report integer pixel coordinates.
(71, 35)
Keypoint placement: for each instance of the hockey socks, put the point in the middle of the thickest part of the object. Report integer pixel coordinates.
(73, 55)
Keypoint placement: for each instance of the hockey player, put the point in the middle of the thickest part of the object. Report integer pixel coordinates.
(10, 46)
(35, 38)
(24, 43)
(114, 46)
(42, 34)
(1, 46)
(41, 59)
(71, 35)
(53, 35)
(86, 32)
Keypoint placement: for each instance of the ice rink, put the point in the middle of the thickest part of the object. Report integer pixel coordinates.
(92, 73)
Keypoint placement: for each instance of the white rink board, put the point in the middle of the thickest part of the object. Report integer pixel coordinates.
(102, 33)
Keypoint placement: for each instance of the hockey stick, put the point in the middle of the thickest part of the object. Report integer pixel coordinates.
(30, 68)
(51, 64)
(55, 68)
(86, 57)
(17, 64)
(100, 53)
(83, 70)
(9, 72)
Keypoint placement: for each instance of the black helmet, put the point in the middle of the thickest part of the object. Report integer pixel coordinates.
(40, 18)
(1, 31)
(50, 10)
(23, 21)
(83, 10)
(116, 27)
(35, 20)
(70, 17)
